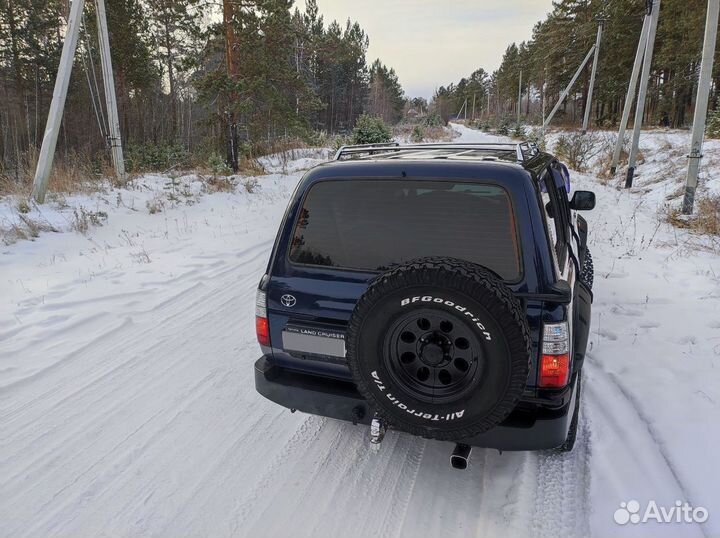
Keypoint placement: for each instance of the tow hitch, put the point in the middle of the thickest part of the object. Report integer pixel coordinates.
(377, 432)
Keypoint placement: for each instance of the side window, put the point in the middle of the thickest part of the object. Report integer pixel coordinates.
(562, 185)
(555, 213)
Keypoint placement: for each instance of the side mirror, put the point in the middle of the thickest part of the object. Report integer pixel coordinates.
(583, 201)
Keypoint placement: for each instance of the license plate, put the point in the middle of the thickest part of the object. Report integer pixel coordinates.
(314, 341)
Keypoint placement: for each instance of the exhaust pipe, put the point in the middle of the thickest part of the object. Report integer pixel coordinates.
(460, 456)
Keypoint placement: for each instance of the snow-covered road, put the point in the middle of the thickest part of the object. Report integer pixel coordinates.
(127, 403)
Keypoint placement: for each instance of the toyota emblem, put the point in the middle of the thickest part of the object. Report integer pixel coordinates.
(288, 300)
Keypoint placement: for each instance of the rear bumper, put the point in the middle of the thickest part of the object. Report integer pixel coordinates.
(534, 425)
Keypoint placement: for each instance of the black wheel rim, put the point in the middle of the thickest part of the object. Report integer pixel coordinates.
(433, 355)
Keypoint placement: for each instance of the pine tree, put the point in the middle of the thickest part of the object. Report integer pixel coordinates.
(175, 30)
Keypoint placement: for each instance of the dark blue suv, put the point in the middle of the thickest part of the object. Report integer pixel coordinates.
(438, 289)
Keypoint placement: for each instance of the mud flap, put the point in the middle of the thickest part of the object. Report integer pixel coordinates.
(581, 322)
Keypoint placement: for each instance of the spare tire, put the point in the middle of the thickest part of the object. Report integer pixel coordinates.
(440, 348)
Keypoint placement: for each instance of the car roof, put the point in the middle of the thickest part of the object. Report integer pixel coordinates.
(414, 169)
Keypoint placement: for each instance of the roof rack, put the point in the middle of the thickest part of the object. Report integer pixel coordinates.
(363, 148)
(523, 151)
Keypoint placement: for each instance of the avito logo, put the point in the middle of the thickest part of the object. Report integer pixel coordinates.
(680, 512)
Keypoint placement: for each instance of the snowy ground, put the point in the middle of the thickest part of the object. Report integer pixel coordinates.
(662, 164)
(128, 409)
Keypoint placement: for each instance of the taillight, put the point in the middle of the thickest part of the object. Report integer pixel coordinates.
(262, 327)
(555, 359)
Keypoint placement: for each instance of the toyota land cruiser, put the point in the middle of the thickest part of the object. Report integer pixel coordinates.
(438, 289)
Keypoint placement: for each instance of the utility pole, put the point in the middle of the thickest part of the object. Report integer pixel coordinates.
(110, 97)
(519, 104)
(644, 78)
(462, 108)
(62, 81)
(473, 112)
(588, 102)
(701, 104)
(544, 94)
(52, 127)
(630, 96)
(566, 91)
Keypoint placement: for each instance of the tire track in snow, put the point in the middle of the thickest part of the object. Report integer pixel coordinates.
(96, 475)
(339, 473)
(221, 298)
(109, 376)
(308, 432)
(127, 337)
(642, 470)
(657, 441)
(562, 483)
(177, 301)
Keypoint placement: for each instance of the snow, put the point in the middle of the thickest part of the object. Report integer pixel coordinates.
(662, 164)
(128, 407)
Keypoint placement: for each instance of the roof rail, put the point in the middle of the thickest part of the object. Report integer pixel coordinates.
(524, 151)
(364, 148)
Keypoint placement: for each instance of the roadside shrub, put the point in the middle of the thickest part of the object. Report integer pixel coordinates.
(708, 215)
(83, 219)
(422, 133)
(339, 141)
(220, 184)
(218, 166)
(433, 120)
(519, 131)
(606, 152)
(317, 139)
(152, 158)
(251, 185)
(712, 127)
(504, 129)
(418, 134)
(706, 218)
(23, 206)
(23, 228)
(577, 149)
(155, 205)
(371, 130)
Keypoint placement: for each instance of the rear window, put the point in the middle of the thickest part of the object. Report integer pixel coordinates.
(373, 225)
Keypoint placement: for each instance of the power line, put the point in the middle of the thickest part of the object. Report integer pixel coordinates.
(94, 74)
(86, 57)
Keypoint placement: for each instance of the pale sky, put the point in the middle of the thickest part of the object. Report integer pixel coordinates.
(431, 43)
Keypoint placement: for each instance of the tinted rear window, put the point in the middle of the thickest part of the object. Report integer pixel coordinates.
(373, 225)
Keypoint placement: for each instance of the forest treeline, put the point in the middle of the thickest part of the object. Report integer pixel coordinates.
(197, 79)
(557, 47)
(193, 78)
